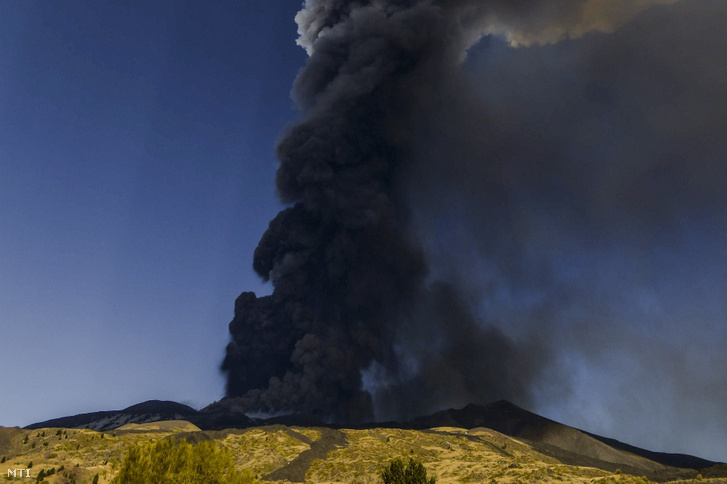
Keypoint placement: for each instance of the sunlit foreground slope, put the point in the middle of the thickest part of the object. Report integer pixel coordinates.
(319, 455)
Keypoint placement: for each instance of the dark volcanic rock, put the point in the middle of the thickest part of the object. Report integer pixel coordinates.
(674, 460)
(296, 420)
(223, 420)
(501, 416)
(149, 411)
(161, 407)
(296, 469)
(80, 421)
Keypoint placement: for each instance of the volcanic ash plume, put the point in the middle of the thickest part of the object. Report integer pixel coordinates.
(355, 326)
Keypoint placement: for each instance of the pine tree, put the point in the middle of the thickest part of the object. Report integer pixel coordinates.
(412, 473)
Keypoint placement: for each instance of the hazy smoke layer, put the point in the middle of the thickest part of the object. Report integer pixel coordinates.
(357, 321)
(577, 190)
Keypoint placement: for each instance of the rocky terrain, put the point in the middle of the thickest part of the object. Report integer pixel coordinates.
(499, 442)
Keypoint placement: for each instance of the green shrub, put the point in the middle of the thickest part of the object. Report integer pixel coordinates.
(399, 473)
(164, 462)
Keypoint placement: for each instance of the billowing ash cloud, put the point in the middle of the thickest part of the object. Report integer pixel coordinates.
(577, 190)
(404, 145)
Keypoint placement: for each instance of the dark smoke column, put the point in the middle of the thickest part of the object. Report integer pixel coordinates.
(342, 269)
(352, 324)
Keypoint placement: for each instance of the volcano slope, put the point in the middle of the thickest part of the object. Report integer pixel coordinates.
(494, 443)
(567, 444)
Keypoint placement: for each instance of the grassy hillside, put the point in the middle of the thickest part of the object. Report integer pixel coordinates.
(318, 455)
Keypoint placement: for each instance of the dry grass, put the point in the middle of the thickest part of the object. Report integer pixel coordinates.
(452, 455)
(262, 451)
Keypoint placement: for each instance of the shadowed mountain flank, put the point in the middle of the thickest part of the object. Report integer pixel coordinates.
(567, 444)
(145, 412)
(214, 417)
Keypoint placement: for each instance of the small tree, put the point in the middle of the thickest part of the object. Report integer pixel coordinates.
(412, 473)
(164, 462)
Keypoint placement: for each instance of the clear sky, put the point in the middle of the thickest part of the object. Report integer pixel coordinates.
(136, 178)
(137, 171)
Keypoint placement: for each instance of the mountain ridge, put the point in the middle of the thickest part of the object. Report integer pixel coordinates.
(562, 442)
(509, 419)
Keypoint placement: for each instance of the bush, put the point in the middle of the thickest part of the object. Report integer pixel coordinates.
(399, 473)
(164, 462)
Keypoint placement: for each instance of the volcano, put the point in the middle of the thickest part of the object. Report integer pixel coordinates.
(559, 441)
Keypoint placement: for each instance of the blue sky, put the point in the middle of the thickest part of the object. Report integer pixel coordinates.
(136, 177)
(137, 174)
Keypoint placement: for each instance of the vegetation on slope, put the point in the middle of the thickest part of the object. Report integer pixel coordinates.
(413, 472)
(165, 462)
(275, 453)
